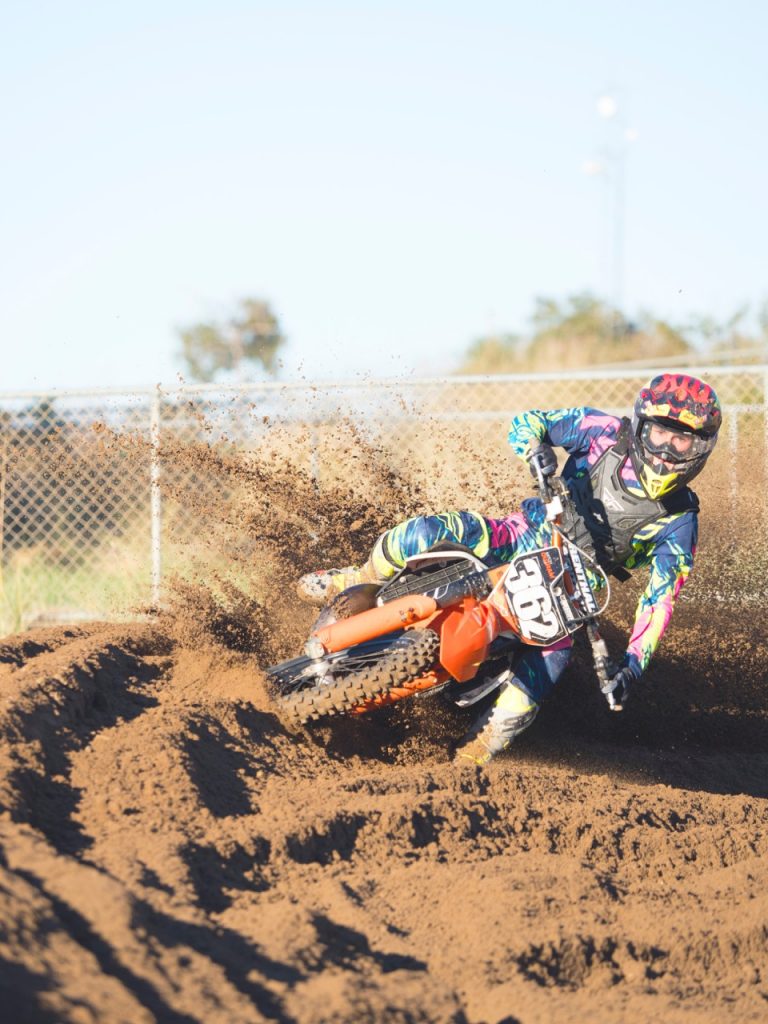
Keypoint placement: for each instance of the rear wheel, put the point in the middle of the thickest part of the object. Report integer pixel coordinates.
(353, 676)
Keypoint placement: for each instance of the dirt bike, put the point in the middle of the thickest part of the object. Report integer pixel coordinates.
(445, 618)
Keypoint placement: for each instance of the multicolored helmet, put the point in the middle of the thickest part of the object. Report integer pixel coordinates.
(674, 429)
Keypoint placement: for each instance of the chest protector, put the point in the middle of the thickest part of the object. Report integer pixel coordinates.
(606, 516)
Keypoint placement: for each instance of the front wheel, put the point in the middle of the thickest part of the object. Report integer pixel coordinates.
(353, 676)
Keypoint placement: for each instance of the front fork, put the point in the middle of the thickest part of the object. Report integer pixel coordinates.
(603, 665)
(602, 662)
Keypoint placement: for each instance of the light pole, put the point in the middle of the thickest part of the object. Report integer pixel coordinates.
(613, 167)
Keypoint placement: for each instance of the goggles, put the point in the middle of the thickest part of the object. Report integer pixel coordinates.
(673, 444)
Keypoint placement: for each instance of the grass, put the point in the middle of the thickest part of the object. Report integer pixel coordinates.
(34, 590)
(113, 584)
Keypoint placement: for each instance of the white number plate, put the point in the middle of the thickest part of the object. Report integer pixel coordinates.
(530, 601)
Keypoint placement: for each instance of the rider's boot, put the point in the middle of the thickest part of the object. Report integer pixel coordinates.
(320, 587)
(510, 714)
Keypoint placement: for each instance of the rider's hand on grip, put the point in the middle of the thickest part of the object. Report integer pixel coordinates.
(542, 461)
(617, 687)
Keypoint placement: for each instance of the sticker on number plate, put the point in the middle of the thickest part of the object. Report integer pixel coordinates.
(527, 585)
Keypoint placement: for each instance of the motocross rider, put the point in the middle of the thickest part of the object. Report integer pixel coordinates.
(629, 481)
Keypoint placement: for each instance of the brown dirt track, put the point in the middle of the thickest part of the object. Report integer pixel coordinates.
(169, 852)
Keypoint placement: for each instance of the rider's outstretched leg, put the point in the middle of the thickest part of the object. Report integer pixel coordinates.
(393, 548)
(320, 587)
(534, 676)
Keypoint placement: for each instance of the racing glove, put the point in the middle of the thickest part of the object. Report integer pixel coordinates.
(616, 690)
(543, 460)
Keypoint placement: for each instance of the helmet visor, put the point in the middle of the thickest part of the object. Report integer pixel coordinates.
(673, 444)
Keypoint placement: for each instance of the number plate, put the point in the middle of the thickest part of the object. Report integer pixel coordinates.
(527, 585)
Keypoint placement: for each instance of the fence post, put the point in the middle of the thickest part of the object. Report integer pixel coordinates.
(3, 472)
(733, 466)
(314, 459)
(155, 500)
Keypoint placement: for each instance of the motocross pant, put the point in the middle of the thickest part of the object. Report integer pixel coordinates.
(495, 541)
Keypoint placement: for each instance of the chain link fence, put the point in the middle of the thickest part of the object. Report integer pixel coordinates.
(96, 489)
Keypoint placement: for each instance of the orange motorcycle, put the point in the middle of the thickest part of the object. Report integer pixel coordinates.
(445, 617)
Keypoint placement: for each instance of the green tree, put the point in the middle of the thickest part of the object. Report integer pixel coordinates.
(730, 340)
(716, 334)
(494, 353)
(580, 316)
(577, 332)
(762, 319)
(249, 340)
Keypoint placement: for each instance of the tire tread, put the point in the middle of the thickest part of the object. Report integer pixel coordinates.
(410, 656)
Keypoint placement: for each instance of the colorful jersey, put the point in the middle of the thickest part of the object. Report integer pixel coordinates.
(667, 545)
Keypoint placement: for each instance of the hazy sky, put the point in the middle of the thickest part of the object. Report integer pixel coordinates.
(396, 178)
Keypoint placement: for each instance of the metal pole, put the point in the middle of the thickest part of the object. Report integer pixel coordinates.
(155, 500)
(733, 441)
(618, 237)
(3, 473)
(314, 460)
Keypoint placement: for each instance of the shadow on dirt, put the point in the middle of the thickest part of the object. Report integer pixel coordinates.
(324, 845)
(213, 873)
(345, 947)
(261, 728)
(217, 768)
(423, 730)
(239, 959)
(20, 991)
(48, 725)
(222, 762)
(79, 928)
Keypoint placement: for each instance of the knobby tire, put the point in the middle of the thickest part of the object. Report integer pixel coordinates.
(409, 657)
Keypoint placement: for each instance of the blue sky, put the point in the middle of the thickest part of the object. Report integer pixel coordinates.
(395, 178)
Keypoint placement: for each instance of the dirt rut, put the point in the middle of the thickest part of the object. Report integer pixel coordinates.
(170, 852)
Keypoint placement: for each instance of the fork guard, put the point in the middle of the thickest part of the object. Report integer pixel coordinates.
(398, 614)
